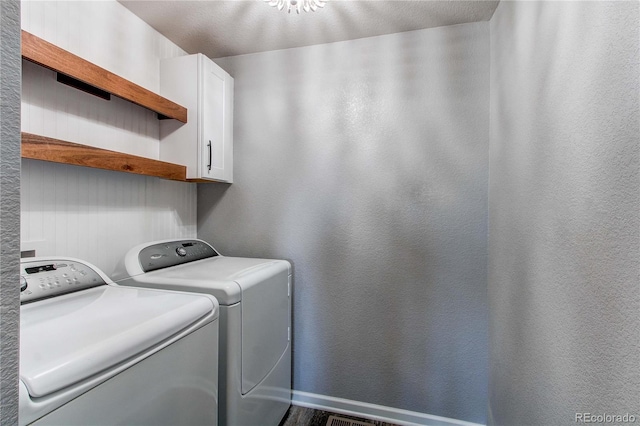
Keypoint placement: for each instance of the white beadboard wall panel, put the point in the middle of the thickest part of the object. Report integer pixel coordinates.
(109, 35)
(103, 32)
(59, 111)
(94, 214)
(97, 215)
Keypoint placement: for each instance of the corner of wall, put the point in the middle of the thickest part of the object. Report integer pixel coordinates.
(10, 65)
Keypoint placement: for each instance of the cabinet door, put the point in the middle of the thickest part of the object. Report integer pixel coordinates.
(212, 115)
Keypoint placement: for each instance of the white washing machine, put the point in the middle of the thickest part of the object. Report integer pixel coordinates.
(94, 353)
(255, 320)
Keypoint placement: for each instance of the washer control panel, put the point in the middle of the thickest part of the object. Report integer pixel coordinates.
(172, 253)
(41, 279)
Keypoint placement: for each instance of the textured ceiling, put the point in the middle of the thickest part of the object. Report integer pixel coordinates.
(227, 28)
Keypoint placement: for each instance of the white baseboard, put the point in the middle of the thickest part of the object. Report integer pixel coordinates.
(372, 411)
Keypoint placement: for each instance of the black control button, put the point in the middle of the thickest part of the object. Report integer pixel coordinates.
(23, 283)
(36, 269)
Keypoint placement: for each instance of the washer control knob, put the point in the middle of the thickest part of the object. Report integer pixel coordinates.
(23, 283)
(182, 252)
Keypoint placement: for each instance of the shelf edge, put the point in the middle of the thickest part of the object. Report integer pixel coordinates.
(43, 148)
(50, 56)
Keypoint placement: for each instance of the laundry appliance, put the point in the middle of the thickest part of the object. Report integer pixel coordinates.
(255, 320)
(95, 353)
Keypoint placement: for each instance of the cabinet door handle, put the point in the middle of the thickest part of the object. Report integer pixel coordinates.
(209, 165)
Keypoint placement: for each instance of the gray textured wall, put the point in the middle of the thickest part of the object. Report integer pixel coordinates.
(10, 66)
(564, 211)
(365, 164)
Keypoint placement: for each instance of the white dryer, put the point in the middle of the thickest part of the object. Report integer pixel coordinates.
(255, 320)
(94, 353)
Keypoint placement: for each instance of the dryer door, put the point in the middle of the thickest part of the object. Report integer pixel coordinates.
(265, 321)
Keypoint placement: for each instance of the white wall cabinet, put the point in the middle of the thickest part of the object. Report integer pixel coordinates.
(205, 143)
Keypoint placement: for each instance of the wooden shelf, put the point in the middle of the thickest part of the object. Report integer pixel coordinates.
(48, 55)
(58, 151)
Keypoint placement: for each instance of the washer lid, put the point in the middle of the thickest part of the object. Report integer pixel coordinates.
(69, 338)
(225, 278)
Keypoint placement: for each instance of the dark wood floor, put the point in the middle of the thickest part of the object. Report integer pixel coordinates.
(300, 416)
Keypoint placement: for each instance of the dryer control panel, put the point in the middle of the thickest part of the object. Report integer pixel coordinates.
(40, 279)
(173, 253)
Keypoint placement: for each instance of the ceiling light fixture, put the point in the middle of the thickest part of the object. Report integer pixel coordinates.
(306, 5)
